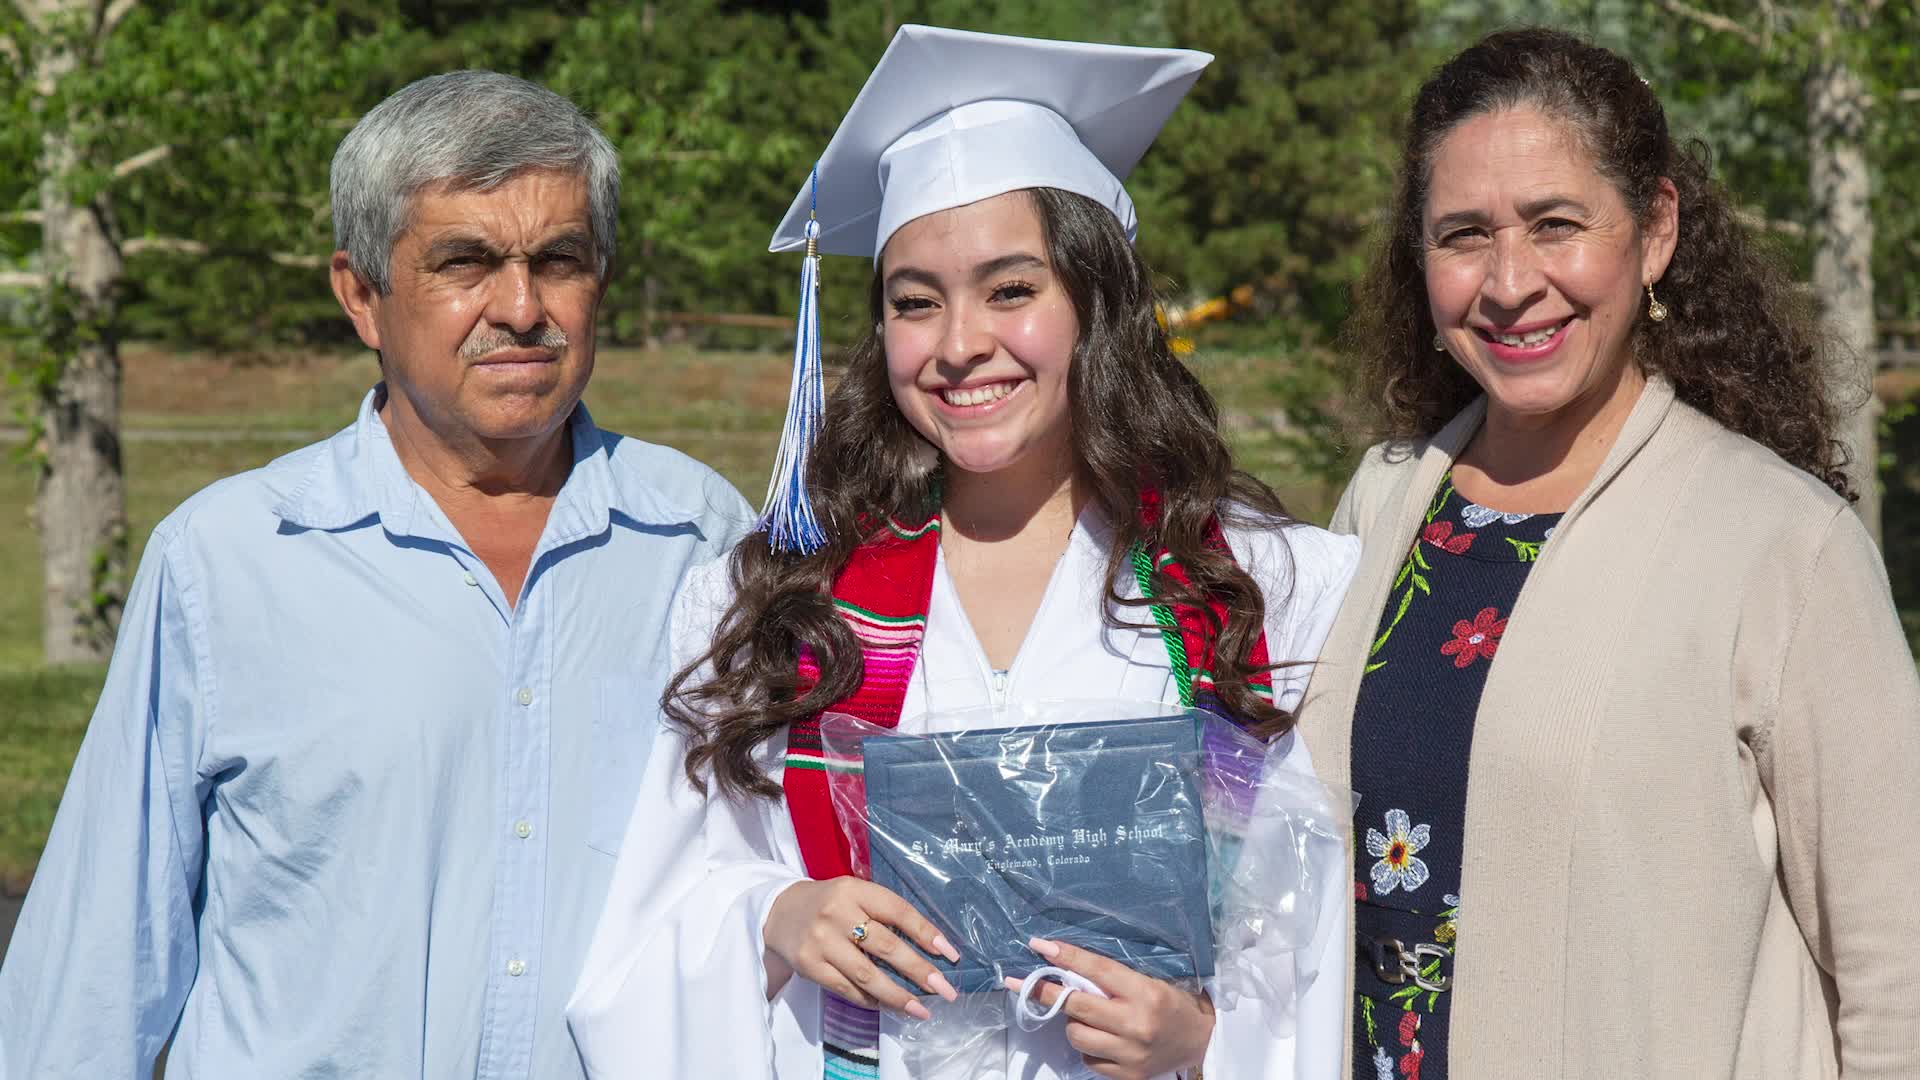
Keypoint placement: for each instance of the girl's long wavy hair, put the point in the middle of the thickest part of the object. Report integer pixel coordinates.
(1742, 344)
(1140, 420)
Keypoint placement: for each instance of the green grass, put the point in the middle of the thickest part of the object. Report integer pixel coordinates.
(19, 574)
(46, 713)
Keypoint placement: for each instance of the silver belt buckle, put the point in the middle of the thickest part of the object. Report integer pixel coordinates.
(1396, 965)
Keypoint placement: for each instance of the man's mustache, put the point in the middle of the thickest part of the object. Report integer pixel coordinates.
(484, 343)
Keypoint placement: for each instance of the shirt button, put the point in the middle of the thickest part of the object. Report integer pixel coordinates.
(516, 968)
(469, 578)
(522, 829)
(524, 697)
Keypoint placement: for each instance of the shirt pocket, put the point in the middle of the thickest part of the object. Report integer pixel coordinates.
(625, 720)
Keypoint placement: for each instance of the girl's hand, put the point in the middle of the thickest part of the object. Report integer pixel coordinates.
(1143, 1028)
(810, 931)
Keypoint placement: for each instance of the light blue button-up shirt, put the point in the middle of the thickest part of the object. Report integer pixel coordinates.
(342, 811)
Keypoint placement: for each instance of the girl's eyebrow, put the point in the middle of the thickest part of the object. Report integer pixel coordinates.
(1018, 260)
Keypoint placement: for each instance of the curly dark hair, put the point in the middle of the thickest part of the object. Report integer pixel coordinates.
(1743, 345)
(1140, 420)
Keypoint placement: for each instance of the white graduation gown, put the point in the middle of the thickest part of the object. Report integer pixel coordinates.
(674, 984)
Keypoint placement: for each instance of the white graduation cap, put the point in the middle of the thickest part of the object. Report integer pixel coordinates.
(948, 118)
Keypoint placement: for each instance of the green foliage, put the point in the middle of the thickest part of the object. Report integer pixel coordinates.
(1890, 51)
(1277, 168)
(238, 107)
(1272, 173)
(688, 95)
(19, 136)
(252, 98)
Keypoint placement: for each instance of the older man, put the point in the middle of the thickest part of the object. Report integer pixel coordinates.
(352, 795)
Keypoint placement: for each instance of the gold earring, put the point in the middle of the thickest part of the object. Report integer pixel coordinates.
(1656, 310)
(1438, 345)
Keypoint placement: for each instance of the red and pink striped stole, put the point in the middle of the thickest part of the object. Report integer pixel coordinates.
(883, 594)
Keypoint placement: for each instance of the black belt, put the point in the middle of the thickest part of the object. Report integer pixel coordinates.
(1397, 964)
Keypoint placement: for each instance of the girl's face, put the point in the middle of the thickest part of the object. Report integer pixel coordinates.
(1535, 267)
(979, 334)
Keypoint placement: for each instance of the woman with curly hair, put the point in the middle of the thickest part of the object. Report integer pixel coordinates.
(1619, 682)
(1022, 495)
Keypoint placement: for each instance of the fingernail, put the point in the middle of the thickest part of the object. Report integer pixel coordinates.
(942, 987)
(918, 1011)
(1013, 984)
(945, 948)
(1048, 949)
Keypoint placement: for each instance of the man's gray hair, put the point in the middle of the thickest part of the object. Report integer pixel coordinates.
(472, 131)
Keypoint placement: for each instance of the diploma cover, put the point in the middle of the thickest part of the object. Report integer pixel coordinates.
(1092, 834)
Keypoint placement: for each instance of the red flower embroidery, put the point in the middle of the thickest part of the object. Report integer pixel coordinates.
(1473, 640)
(1440, 535)
(1409, 1027)
(1410, 1065)
(1359, 890)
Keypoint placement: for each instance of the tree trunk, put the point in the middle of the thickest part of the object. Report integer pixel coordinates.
(80, 499)
(1843, 256)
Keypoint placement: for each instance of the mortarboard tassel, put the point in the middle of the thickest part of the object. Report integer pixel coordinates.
(788, 513)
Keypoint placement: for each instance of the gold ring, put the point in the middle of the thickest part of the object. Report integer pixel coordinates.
(858, 933)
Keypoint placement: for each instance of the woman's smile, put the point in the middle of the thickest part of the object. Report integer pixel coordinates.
(1525, 344)
(979, 400)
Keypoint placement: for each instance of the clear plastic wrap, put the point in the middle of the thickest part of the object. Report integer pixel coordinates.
(1166, 839)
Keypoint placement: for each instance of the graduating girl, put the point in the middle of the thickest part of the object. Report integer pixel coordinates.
(1017, 493)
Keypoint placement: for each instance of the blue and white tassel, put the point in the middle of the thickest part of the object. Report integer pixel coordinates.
(788, 514)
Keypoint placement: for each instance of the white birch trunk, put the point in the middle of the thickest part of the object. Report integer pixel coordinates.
(80, 498)
(1843, 256)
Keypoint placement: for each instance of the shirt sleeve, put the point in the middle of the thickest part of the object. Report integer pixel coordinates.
(1839, 761)
(674, 983)
(734, 518)
(1323, 567)
(104, 952)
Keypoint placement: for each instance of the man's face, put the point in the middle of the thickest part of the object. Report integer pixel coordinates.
(488, 330)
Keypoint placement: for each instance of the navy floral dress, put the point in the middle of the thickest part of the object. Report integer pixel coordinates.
(1412, 731)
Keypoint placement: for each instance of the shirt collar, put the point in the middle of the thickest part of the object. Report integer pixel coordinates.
(358, 475)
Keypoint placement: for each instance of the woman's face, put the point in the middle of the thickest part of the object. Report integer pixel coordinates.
(1534, 265)
(979, 334)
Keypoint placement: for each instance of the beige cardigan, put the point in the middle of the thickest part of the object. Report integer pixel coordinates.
(1693, 806)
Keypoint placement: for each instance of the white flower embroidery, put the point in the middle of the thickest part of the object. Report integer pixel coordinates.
(1479, 517)
(1382, 1064)
(1397, 867)
(1549, 533)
